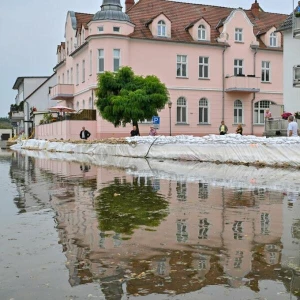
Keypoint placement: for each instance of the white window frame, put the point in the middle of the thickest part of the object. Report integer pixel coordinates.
(259, 111)
(238, 35)
(238, 68)
(238, 107)
(201, 33)
(91, 62)
(68, 76)
(100, 28)
(181, 111)
(90, 103)
(265, 70)
(101, 58)
(182, 60)
(77, 74)
(116, 58)
(203, 107)
(273, 39)
(116, 29)
(71, 76)
(161, 28)
(83, 71)
(203, 67)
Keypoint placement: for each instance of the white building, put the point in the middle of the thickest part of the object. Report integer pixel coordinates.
(291, 63)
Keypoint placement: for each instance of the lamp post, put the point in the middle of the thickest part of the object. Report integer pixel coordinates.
(170, 119)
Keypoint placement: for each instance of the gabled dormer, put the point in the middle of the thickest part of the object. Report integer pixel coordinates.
(270, 37)
(160, 26)
(199, 30)
(237, 28)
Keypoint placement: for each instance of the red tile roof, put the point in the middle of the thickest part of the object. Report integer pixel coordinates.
(83, 19)
(183, 14)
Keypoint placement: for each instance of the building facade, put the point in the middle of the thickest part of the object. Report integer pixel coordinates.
(218, 63)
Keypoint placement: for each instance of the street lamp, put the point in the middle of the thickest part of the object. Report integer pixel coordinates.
(170, 106)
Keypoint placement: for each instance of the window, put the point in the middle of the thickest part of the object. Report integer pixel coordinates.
(83, 104)
(238, 112)
(77, 74)
(202, 264)
(91, 62)
(116, 53)
(238, 67)
(63, 78)
(71, 76)
(181, 191)
(71, 46)
(83, 71)
(203, 229)
(203, 111)
(77, 105)
(68, 76)
(203, 67)
(201, 33)
(100, 60)
(58, 80)
(182, 233)
(181, 66)
(116, 29)
(90, 103)
(100, 28)
(238, 260)
(273, 39)
(161, 28)
(259, 111)
(238, 37)
(203, 191)
(67, 47)
(265, 71)
(265, 223)
(237, 230)
(82, 36)
(181, 110)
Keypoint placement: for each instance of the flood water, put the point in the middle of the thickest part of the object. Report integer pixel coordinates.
(73, 230)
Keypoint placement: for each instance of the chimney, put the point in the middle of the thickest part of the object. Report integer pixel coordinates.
(255, 9)
(128, 4)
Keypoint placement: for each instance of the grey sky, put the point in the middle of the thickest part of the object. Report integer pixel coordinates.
(30, 30)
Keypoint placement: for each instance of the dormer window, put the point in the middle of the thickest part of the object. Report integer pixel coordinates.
(161, 28)
(273, 39)
(116, 29)
(201, 33)
(238, 35)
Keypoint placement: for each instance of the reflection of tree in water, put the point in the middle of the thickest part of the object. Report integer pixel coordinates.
(296, 229)
(124, 206)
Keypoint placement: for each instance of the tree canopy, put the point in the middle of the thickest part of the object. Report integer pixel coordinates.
(124, 97)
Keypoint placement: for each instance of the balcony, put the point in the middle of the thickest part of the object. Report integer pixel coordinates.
(242, 84)
(17, 116)
(62, 92)
(296, 25)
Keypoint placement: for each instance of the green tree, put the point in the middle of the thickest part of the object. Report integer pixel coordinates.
(124, 206)
(124, 97)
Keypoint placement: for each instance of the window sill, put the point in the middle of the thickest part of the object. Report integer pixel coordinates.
(200, 78)
(182, 77)
(184, 124)
(266, 82)
(239, 42)
(83, 81)
(258, 124)
(200, 124)
(235, 124)
(77, 84)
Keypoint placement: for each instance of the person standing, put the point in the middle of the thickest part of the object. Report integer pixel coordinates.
(223, 128)
(84, 134)
(152, 131)
(239, 129)
(134, 131)
(268, 114)
(292, 129)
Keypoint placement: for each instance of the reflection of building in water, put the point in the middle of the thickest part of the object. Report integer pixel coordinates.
(211, 236)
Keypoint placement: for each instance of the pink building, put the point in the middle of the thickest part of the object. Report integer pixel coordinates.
(217, 62)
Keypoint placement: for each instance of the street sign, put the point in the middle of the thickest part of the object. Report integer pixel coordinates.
(155, 120)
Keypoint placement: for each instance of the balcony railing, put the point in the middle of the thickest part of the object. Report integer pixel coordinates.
(17, 116)
(296, 27)
(62, 92)
(245, 84)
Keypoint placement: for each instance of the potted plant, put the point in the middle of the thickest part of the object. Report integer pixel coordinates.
(285, 115)
(297, 14)
(297, 114)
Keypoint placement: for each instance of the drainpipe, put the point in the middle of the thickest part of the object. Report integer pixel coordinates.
(254, 95)
(223, 82)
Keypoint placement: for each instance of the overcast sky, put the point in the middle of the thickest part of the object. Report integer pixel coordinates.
(30, 30)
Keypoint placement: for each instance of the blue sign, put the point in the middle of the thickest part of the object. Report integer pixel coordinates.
(155, 120)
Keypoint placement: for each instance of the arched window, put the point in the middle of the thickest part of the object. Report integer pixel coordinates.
(201, 33)
(238, 112)
(77, 105)
(203, 111)
(90, 103)
(83, 104)
(161, 28)
(273, 39)
(259, 111)
(181, 110)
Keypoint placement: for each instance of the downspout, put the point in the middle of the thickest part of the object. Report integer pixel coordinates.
(254, 95)
(223, 82)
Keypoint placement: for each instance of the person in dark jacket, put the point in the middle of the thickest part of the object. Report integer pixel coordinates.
(223, 128)
(239, 129)
(134, 131)
(84, 134)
